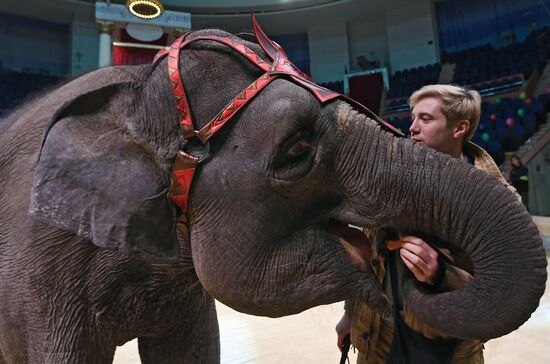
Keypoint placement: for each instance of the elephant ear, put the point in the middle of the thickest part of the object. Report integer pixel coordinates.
(96, 179)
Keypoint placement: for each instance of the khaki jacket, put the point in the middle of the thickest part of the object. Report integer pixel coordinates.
(372, 336)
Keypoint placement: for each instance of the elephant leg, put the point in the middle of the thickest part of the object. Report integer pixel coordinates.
(67, 336)
(86, 356)
(66, 347)
(197, 341)
(74, 339)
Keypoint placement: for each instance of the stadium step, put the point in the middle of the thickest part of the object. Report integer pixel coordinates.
(544, 80)
(446, 74)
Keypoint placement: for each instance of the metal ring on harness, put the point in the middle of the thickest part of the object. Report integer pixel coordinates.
(206, 150)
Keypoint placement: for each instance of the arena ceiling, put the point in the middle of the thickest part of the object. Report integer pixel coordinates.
(277, 16)
(238, 7)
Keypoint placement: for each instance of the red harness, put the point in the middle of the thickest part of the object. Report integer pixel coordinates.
(185, 164)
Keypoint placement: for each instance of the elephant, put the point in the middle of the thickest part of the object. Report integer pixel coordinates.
(90, 256)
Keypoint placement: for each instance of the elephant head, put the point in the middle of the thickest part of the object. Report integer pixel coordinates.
(278, 173)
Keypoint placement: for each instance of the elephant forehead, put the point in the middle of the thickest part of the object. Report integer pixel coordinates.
(284, 88)
(282, 107)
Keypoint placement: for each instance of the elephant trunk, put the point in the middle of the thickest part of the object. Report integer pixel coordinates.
(393, 182)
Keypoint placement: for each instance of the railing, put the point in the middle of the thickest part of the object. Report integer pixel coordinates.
(537, 147)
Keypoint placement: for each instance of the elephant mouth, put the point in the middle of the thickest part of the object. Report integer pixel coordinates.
(354, 241)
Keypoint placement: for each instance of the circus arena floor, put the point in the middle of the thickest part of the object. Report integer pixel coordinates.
(309, 337)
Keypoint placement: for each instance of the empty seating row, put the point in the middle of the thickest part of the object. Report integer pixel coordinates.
(15, 86)
(403, 83)
(474, 65)
(337, 86)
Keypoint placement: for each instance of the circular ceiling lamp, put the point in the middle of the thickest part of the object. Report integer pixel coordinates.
(145, 9)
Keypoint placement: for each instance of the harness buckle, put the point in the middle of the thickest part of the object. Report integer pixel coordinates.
(197, 148)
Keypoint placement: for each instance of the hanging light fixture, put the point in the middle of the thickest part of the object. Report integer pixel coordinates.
(145, 9)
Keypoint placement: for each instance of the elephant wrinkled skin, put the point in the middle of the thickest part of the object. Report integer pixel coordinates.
(97, 262)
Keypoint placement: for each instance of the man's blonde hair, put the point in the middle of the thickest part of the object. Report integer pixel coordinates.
(457, 103)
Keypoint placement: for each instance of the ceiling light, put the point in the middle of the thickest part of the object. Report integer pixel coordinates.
(145, 9)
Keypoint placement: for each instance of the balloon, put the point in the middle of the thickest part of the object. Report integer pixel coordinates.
(528, 101)
(485, 137)
(493, 117)
(497, 101)
(522, 95)
(510, 122)
(521, 113)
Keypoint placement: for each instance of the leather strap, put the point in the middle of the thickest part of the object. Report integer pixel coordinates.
(234, 105)
(281, 66)
(182, 176)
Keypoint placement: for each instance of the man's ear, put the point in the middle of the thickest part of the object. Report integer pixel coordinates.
(460, 129)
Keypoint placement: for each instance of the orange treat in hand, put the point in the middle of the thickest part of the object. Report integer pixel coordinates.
(394, 244)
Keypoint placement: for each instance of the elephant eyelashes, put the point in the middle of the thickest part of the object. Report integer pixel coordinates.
(295, 156)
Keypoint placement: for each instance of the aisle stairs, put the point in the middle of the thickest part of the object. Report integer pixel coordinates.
(447, 73)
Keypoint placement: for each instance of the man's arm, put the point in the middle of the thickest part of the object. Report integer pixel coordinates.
(418, 256)
(343, 329)
(423, 261)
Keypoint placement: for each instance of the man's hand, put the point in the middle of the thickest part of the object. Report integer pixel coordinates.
(418, 256)
(342, 329)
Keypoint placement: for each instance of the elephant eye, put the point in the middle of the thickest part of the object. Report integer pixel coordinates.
(300, 147)
(295, 156)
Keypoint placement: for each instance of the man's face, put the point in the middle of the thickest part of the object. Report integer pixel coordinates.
(429, 125)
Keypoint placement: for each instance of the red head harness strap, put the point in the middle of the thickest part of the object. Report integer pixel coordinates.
(185, 164)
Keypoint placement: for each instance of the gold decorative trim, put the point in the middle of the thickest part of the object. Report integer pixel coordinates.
(105, 27)
(137, 45)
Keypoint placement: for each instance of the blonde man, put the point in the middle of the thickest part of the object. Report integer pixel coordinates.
(444, 118)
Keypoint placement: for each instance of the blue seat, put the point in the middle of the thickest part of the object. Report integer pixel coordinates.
(500, 123)
(539, 110)
(503, 133)
(405, 124)
(494, 148)
(530, 126)
(544, 99)
(517, 136)
(476, 139)
(529, 117)
(517, 103)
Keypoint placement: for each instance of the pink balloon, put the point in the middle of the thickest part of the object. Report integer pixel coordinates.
(510, 122)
